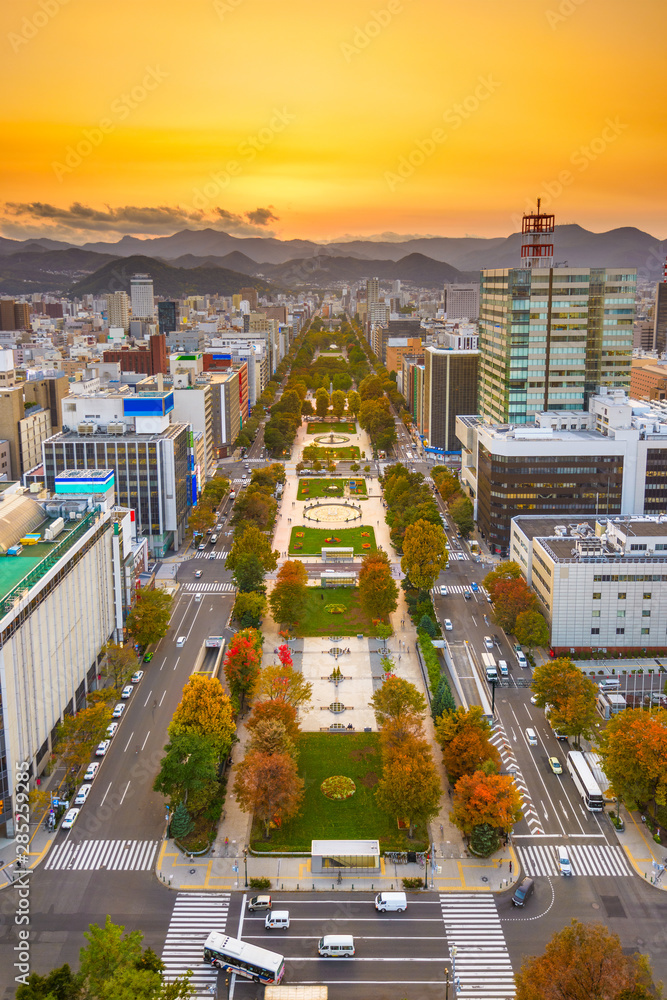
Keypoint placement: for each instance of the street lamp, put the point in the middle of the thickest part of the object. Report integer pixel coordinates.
(245, 862)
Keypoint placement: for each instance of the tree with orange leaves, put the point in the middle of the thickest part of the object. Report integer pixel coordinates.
(467, 752)
(510, 599)
(289, 598)
(269, 786)
(274, 709)
(378, 592)
(242, 665)
(410, 785)
(485, 798)
(633, 747)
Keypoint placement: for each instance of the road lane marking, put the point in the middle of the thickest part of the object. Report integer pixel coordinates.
(178, 658)
(124, 794)
(162, 698)
(147, 699)
(128, 742)
(107, 791)
(146, 740)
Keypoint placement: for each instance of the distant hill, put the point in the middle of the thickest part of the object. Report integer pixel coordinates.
(235, 261)
(167, 280)
(325, 271)
(38, 270)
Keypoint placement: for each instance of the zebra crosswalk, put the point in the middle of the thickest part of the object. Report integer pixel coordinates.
(503, 746)
(461, 556)
(193, 918)
(216, 554)
(110, 855)
(482, 962)
(455, 588)
(210, 588)
(585, 859)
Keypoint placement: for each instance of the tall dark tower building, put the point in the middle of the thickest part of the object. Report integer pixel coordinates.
(660, 315)
(166, 316)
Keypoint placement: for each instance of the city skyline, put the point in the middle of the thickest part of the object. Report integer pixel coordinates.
(369, 121)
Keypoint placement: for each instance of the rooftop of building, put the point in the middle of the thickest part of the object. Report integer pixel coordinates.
(171, 430)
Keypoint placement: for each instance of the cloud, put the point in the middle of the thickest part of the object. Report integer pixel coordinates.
(31, 220)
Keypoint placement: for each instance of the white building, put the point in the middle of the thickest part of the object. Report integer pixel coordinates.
(602, 584)
(143, 303)
(118, 310)
(462, 300)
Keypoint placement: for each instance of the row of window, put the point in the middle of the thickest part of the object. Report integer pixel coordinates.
(620, 614)
(622, 595)
(637, 578)
(621, 631)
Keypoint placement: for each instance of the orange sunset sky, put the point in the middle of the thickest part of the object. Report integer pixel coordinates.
(326, 118)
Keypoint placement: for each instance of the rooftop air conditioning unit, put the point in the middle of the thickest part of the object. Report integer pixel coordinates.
(116, 428)
(86, 428)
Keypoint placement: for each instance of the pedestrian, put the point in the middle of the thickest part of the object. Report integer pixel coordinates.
(510, 867)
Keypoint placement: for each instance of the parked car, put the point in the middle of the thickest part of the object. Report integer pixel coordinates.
(148, 657)
(91, 771)
(111, 730)
(102, 748)
(118, 710)
(127, 691)
(136, 676)
(82, 795)
(69, 819)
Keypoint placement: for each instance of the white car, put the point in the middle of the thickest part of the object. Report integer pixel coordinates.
(69, 819)
(448, 625)
(127, 691)
(564, 861)
(102, 748)
(91, 771)
(443, 592)
(111, 730)
(198, 574)
(488, 642)
(82, 795)
(201, 546)
(118, 710)
(136, 676)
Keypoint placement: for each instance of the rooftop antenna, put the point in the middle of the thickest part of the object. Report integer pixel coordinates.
(537, 229)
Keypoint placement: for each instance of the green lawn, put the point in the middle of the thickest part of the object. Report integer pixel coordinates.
(356, 756)
(341, 428)
(310, 489)
(314, 538)
(344, 453)
(317, 621)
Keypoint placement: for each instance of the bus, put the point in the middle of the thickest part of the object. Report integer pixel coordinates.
(232, 955)
(586, 784)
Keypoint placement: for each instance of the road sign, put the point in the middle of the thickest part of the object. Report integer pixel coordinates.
(235, 869)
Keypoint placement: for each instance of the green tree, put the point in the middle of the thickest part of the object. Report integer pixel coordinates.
(109, 950)
(307, 408)
(249, 608)
(201, 517)
(338, 403)
(426, 624)
(148, 621)
(59, 984)
(249, 573)
(371, 388)
(189, 770)
(424, 553)
(484, 840)
(531, 629)
(378, 592)
(182, 822)
(322, 402)
(461, 512)
(353, 402)
(251, 540)
(290, 401)
(120, 664)
(443, 700)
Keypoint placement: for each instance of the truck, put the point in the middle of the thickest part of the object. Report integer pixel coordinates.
(490, 667)
(312, 992)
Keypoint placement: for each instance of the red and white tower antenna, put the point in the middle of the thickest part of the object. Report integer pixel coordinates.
(537, 230)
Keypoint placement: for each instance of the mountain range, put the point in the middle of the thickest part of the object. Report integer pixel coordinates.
(48, 265)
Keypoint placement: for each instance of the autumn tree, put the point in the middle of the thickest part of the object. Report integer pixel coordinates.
(322, 402)
(353, 402)
(201, 517)
(338, 403)
(243, 663)
(409, 788)
(270, 736)
(205, 709)
(397, 697)
(461, 512)
(633, 747)
(250, 540)
(249, 608)
(289, 598)
(274, 710)
(584, 962)
(378, 591)
(268, 786)
(511, 598)
(507, 570)
(446, 484)
(424, 553)
(371, 388)
(450, 724)
(576, 713)
(121, 662)
(281, 682)
(485, 798)
(77, 735)
(148, 621)
(531, 629)
(556, 680)
(468, 752)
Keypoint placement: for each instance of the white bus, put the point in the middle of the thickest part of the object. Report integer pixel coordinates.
(247, 960)
(586, 784)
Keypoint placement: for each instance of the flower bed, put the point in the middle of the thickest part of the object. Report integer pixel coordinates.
(335, 609)
(365, 545)
(331, 540)
(338, 787)
(300, 534)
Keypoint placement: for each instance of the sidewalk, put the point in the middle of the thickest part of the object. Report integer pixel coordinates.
(646, 856)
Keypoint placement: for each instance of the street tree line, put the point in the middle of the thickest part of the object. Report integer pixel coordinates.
(516, 608)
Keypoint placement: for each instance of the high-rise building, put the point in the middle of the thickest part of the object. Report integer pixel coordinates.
(30, 413)
(660, 316)
(550, 336)
(372, 290)
(148, 360)
(166, 317)
(7, 314)
(450, 388)
(118, 309)
(250, 295)
(21, 316)
(462, 301)
(141, 292)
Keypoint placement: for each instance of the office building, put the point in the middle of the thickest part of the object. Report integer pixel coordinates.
(602, 583)
(7, 314)
(131, 433)
(608, 460)
(660, 316)
(118, 310)
(141, 294)
(450, 387)
(150, 358)
(167, 317)
(29, 414)
(461, 300)
(398, 348)
(648, 379)
(250, 296)
(372, 291)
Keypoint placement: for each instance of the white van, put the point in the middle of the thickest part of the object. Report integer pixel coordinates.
(521, 659)
(277, 919)
(504, 669)
(336, 946)
(531, 736)
(391, 901)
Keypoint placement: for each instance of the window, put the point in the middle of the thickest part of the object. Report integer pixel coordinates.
(638, 548)
(595, 614)
(595, 631)
(620, 631)
(646, 614)
(621, 596)
(620, 614)
(646, 631)
(646, 596)
(597, 596)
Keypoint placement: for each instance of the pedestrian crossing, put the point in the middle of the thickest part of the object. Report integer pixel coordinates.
(210, 588)
(585, 859)
(481, 966)
(461, 556)
(456, 588)
(509, 763)
(107, 855)
(216, 553)
(193, 918)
